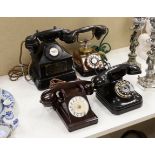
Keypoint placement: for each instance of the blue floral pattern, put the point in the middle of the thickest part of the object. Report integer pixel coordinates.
(7, 115)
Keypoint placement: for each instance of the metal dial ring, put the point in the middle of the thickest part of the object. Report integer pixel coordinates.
(94, 61)
(124, 89)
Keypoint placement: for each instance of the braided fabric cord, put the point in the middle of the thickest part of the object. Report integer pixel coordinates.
(20, 70)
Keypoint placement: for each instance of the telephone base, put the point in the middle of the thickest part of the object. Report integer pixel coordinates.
(44, 83)
(85, 73)
(79, 125)
(120, 107)
(72, 125)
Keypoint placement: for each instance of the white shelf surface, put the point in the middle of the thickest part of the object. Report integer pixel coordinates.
(38, 121)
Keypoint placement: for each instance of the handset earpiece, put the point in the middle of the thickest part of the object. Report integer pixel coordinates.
(99, 31)
(48, 98)
(52, 98)
(32, 43)
(133, 69)
(98, 81)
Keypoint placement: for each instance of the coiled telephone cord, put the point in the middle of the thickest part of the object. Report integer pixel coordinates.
(20, 70)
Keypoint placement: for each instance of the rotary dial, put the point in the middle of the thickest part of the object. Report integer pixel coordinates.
(124, 89)
(54, 52)
(78, 106)
(94, 61)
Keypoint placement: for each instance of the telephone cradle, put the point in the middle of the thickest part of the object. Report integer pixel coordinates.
(70, 102)
(116, 94)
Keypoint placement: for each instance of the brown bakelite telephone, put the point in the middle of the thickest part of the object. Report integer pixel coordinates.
(69, 100)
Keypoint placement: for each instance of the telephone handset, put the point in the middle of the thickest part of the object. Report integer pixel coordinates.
(117, 94)
(71, 103)
(49, 59)
(88, 61)
(71, 36)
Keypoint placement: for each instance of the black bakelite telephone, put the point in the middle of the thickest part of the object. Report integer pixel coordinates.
(49, 59)
(89, 60)
(116, 94)
(69, 100)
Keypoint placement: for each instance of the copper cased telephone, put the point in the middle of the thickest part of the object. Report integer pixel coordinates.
(115, 93)
(87, 60)
(49, 59)
(69, 100)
